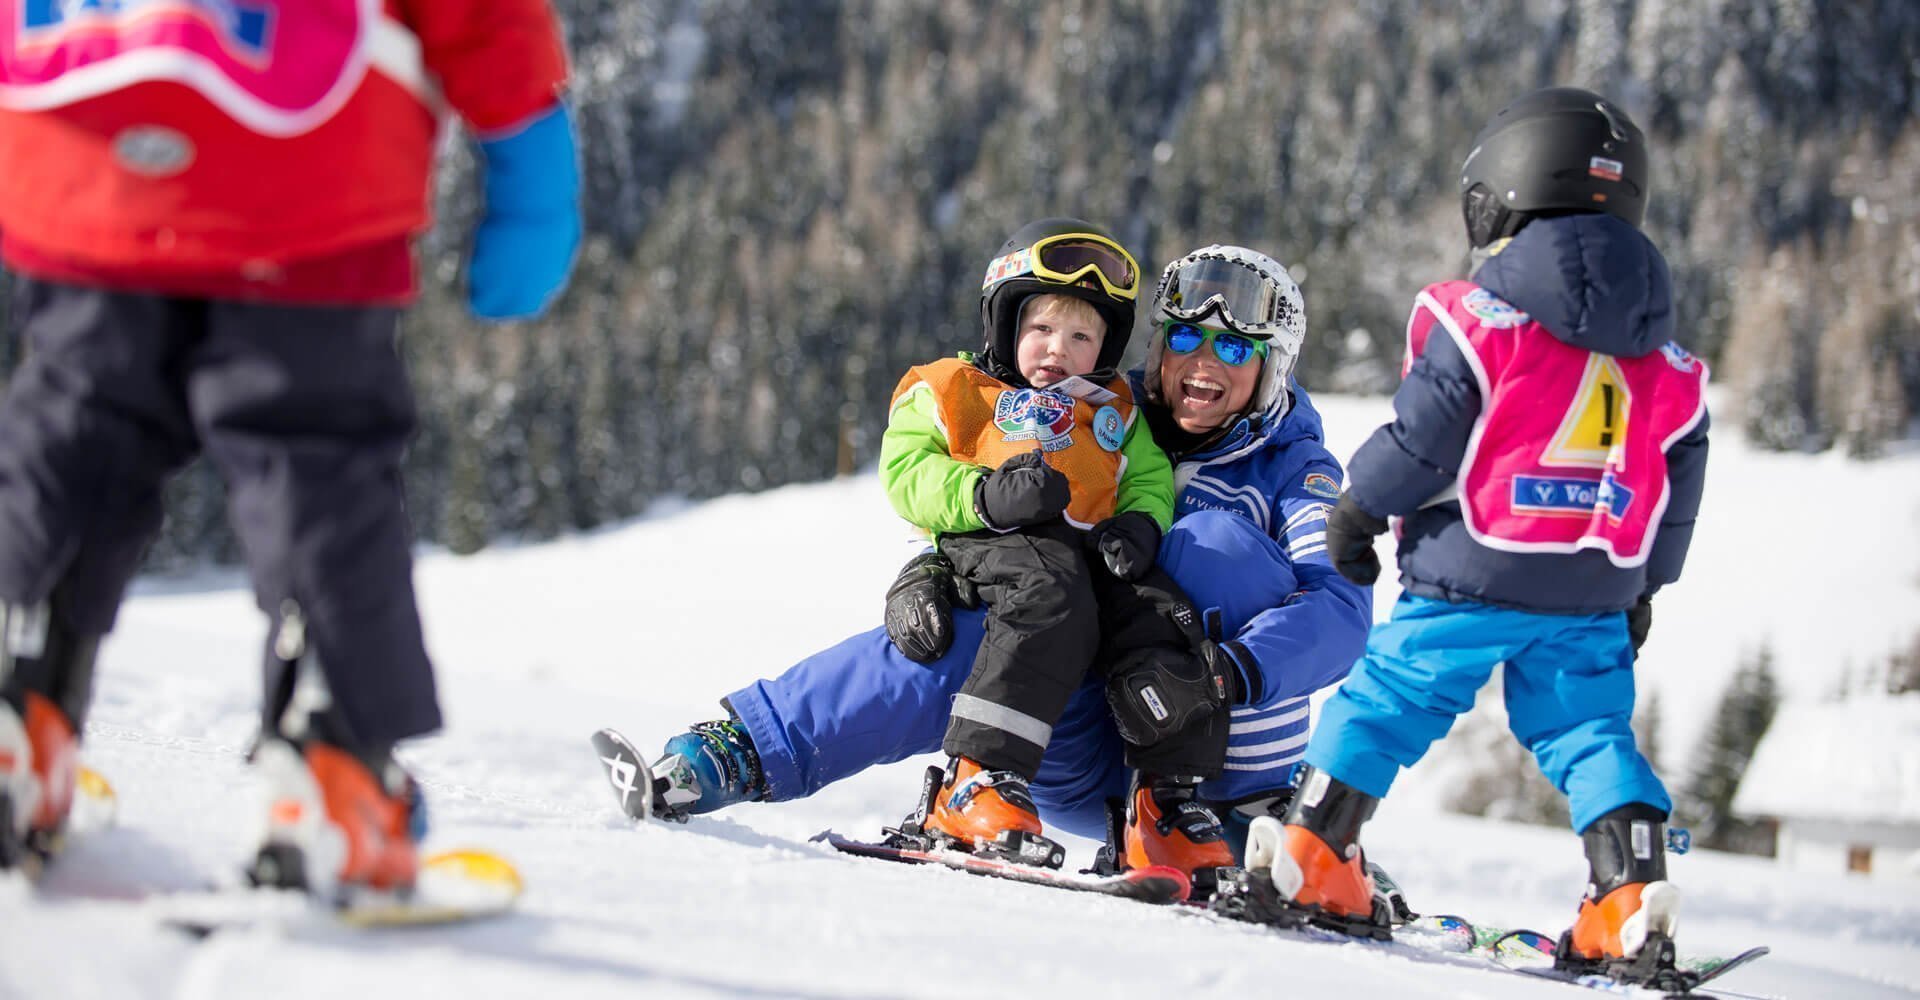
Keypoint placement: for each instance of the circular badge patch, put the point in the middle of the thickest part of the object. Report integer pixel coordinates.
(153, 150)
(1678, 358)
(1494, 311)
(1109, 429)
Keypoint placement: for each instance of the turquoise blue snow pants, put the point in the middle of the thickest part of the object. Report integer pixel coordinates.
(1569, 695)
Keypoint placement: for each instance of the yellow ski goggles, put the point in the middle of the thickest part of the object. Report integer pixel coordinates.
(1071, 259)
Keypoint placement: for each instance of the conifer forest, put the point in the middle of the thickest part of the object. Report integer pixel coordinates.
(788, 202)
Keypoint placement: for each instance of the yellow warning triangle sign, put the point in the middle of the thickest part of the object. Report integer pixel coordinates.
(1596, 423)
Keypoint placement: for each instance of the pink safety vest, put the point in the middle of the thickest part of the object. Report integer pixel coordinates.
(1569, 451)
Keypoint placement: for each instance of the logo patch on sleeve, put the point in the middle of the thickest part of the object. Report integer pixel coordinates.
(1322, 485)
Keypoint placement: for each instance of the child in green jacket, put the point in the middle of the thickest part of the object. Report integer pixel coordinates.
(1043, 489)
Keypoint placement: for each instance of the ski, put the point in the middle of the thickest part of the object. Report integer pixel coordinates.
(1241, 896)
(1155, 884)
(629, 774)
(635, 785)
(1251, 897)
(453, 887)
(95, 807)
(1676, 979)
(95, 803)
(1521, 947)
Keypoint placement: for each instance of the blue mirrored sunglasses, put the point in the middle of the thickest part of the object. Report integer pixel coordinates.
(1231, 348)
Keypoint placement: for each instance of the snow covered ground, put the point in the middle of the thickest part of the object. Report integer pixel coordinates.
(645, 625)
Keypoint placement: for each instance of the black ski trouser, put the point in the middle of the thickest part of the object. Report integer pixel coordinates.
(304, 410)
(1053, 613)
(1042, 631)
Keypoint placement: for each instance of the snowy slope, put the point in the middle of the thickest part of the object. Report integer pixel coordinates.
(644, 626)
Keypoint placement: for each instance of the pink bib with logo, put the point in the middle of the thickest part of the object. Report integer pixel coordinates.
(278, 67)
(1569, 451)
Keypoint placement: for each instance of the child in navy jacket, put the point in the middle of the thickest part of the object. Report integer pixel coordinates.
(1546, 463)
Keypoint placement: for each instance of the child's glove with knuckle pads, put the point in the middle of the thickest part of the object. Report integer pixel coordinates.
(920, 607)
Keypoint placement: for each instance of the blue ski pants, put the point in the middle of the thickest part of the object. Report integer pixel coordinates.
(861, 702)
(1569, 698)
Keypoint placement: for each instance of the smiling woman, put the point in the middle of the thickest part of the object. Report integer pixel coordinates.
(1202, 390)
(1227, 327)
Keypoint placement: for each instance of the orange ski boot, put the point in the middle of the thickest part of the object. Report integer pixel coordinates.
(1314, 857)
(46, 679)
(1167, 825)
(1629, 912)
(989, 812)
(39, 758)
(342, 816)
(335, 822)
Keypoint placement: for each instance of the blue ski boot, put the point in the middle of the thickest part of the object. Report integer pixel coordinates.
(710, 766)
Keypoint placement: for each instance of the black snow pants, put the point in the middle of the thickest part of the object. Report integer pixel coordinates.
(305, 412)
(1054, 613)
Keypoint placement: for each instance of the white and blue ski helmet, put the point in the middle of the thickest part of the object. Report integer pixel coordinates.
(1241, 290)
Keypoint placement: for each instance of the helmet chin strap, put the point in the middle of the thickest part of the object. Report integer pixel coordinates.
(1480, 255)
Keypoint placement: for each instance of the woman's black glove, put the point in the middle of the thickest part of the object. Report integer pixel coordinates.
(1159, 693)
(1128, 543)
(1350, 534)
(1023, 490)
(1640, 622)
(920, 606)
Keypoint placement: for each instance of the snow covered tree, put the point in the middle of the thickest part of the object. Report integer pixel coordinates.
(788, 202)
(1903, 668)
(1501, 780)
(1647, 720)
(1498, 778)
(1746, 710)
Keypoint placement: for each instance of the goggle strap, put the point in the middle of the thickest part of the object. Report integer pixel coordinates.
(1216, 304)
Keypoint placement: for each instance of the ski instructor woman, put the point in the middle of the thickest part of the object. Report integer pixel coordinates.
(1255, 484)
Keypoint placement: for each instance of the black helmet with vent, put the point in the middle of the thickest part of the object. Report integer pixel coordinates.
(1059, 256)
(1555, 151)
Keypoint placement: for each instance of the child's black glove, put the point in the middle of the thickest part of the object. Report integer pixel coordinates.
(1023, 490)
(1640, 622)
(1128, 543)
(920, 606)
(1350, 533)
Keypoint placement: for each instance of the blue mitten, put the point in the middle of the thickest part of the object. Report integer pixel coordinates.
(528, 233)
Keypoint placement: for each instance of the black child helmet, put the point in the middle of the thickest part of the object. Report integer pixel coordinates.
(1557, 150)
(1059, 256)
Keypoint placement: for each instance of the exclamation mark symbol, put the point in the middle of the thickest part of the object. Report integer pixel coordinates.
(1606, 415)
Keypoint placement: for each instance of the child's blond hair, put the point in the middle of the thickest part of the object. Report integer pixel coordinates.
(1068, 308)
